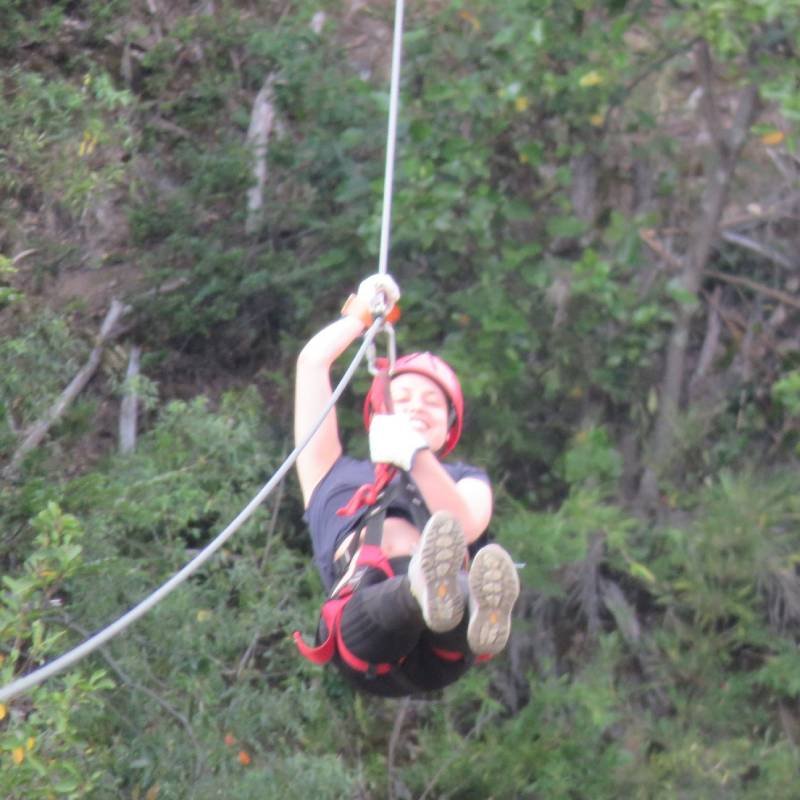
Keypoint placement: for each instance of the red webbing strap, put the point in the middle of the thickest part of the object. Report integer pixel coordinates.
(380, 392)
(323, 652)
(447, 655)
(368, 556)
(371, 555)
(367, 495)
(353, 661)
(454, 655)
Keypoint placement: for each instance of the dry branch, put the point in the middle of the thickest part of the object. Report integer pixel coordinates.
(761, 249)
(155, 11)
(11, 422)
(170, 127)
(24, 254)
(37, 432)
(129, 410)
(648, 236)
(262, 121)
(394, 742)
(760, 288)
(710, 341)
(720, 171)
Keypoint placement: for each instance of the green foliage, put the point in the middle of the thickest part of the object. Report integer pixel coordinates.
(320, 178)
(220, 643)
(753, 36)
(43, 747)
(546, 541)
(727, 556)
(57, 556)
(653, 658)
(60, 134)
(187, 475)
(557, 746)
(49, 749)
(36, 365)
(786, 391)
(592, 460)
(8, 294)
(309, 775)
(779, 674)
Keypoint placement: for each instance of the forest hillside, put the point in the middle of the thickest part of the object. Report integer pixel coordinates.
(595, 220)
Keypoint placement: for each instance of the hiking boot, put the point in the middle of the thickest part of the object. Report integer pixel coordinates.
(433, 572)
(493, 590)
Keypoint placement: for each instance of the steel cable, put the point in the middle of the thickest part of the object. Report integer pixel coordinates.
(101, 637)
(98, 639)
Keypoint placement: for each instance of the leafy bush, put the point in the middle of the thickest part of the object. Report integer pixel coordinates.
(539, 146)
(43, 746)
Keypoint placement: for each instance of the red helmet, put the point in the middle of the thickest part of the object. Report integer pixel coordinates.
(441, 373)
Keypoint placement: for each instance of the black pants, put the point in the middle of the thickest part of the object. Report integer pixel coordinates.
(382, 623)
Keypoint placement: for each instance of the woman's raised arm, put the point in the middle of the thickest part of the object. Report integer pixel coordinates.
(312, 391)
(313, 379)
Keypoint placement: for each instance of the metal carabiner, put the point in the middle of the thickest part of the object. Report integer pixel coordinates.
(379, 307)
(391, 349)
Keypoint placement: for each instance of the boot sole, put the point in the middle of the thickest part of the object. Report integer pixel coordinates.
(493, 590)
(434, 574)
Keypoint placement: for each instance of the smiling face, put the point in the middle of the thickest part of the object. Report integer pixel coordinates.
(425, 404)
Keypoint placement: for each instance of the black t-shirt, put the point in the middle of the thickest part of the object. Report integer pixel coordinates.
(332, 493)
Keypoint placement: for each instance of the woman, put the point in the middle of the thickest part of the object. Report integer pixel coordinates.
(406, 617)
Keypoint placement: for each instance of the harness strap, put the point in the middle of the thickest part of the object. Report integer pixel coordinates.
(369, 493)
(334, 644)
(325, 650)
(447, 655)
(369, 556)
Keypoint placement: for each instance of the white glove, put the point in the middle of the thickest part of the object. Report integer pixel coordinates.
(379, 292)
(393, 440)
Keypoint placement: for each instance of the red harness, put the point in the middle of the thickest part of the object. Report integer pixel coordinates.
(369, 556)
(368, 494)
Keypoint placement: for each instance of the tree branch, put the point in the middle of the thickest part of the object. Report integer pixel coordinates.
(394, 739)
(37, 432)
(719, 171)
(262, 121)
(129, 409)
(761, 249)
(760, 288)
(710, 341)
(673, 262)
(705, 74)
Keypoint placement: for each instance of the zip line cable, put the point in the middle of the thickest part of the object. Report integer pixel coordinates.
(38, 676)
(97, 640)
(391, 138)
